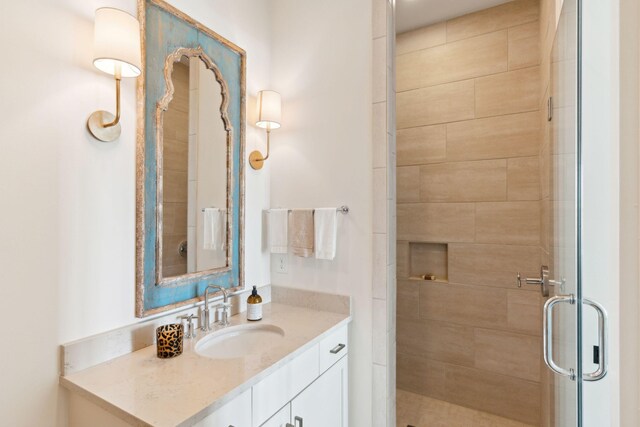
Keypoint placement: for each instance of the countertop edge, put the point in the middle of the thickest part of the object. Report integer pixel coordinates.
(103, 404)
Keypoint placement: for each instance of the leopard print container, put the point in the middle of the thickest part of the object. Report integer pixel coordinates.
(169, 340)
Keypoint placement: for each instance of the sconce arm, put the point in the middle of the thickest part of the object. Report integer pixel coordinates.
(117, 118)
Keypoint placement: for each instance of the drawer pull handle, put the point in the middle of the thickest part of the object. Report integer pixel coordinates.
(337, 349)
(299, 420)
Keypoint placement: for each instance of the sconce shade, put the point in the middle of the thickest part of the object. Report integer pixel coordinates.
(117, 43)
(269, 109)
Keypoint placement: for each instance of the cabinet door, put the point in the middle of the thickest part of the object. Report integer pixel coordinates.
(324, 402)
(236, 413)
(280, 419)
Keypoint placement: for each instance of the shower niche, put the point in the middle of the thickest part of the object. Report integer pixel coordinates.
(429, 261)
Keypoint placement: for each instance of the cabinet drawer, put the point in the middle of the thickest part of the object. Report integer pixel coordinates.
(333, 347)
(275, 391)
(281, 419)
(233, 414)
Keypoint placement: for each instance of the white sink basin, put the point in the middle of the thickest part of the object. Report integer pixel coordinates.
(238, 341)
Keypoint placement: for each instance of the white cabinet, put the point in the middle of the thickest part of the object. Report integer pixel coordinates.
(236, 413)
(324, 403)
(275, 391)
(281, 419)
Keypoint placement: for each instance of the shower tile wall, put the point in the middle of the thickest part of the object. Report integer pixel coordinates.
(468, 176)
(175, 174)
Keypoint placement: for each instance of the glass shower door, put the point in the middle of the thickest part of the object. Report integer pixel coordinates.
(562, 210)
(563, 311)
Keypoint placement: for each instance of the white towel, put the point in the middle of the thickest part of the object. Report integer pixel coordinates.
(278, 240)
(326, 229)
(215, 229)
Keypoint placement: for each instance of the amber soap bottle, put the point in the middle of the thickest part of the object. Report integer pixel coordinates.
(254, 305)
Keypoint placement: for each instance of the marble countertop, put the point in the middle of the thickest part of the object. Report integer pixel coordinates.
(144, 390)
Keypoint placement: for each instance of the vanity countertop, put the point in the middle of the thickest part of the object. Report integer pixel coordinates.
(144, 390)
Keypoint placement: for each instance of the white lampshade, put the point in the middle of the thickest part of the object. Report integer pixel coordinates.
(117, 43)
(269, 109)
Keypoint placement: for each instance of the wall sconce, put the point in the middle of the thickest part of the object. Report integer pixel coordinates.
(269, 116)
(116, 52)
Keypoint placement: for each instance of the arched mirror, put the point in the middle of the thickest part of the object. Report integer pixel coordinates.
(194, 196)
(190, 169)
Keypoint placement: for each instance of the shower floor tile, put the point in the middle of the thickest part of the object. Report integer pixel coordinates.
(421, 411)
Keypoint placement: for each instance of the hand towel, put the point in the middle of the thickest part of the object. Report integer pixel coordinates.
(277, 227)
(215, 229)
(325, 229)
(301, 232)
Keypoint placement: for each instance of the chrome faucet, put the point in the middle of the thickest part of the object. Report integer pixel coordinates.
(206, 325)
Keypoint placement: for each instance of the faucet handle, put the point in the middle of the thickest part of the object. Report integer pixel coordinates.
(223, 312)
(191, 330)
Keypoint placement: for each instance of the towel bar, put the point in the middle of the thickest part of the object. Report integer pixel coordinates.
(344, 209)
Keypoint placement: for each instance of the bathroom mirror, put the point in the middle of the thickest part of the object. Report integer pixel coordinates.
(194, 171)
(190, 149)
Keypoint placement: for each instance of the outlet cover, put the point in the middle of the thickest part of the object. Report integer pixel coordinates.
(282, 263)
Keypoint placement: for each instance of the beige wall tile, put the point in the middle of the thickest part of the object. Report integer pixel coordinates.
(175, 124)
(524, 46)
(524, 310)
(491, 265)
(380, 134)
(496, 18)
(174, 218)
(408, 305)
(438, 104)
(408, 181)
(436, 341)
(508, 353)
(379, 266)
(420, 375)
(174, 186)
(507, 93)
(464, 305)
(545, 224)
(175, 154)
(502, 395)
(436, 222)
(379, 18)
(545, 170)
(523, 175)
(380, 69)
(465, 59)
(483, 180)
(514, 223)
(512, 135)
(380, 200)
(420, 145)
(170, 254)
(174, 270)
(402, 259)
(422, 38)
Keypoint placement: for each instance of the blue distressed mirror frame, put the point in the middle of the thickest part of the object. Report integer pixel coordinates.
(166, 35)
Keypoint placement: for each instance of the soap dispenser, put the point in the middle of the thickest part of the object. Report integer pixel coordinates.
(254, 305)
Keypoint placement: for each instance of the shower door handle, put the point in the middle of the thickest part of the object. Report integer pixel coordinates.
(547, 334)
(601, 372)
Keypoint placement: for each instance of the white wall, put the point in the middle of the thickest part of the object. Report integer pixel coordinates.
(322, 156)
(68, 201)
(609, 276)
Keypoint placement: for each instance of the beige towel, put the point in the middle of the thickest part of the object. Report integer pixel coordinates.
(301, 232)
